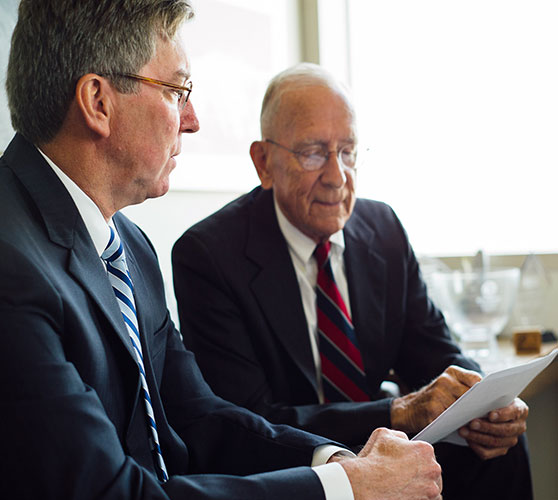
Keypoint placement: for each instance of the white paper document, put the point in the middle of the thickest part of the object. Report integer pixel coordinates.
(496, 390)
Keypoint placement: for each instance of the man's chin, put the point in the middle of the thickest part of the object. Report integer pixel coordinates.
(330, 219)
(162, 191)
(159, 190)
(323, 231)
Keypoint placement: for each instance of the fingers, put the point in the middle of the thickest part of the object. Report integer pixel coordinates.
(434, 469)
(517, 410)
(468, 378)
(395, 469)
(414, 411)
(381, 434)
(502, 427)
(489, 440)
(448, 387)
(495, 435)
(429, 472)
(499, 429)
(487, 453)
(384, 432)
(439, 486)
(454, 382)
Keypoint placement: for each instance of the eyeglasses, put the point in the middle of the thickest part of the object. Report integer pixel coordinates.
(315, 157)
(182, 93)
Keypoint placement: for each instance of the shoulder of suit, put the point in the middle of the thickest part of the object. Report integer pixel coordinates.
(230, 219)
(376, 218)
(370, 209)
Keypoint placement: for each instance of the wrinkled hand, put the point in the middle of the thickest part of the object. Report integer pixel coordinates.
(494, 435)
(391, 467)
(414, 411)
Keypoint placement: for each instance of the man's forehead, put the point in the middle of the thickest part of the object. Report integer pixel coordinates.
(171, 60)
(314, 107)
(313, 98)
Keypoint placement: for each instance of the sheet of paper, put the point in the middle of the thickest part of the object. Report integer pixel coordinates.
(496, 390)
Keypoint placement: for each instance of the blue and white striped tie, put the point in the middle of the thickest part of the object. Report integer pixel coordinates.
(123, 288)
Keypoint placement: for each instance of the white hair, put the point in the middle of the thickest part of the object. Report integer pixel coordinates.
(295, 77)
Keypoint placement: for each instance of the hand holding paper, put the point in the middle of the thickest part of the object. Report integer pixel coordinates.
(496, 390)
(494, 435)
(414, 411)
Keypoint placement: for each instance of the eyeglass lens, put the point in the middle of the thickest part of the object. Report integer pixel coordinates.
(184, 96)
(317, 159)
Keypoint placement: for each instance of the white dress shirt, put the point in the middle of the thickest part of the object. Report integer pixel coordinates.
(301, 249)
(95, 223)
(332, 476)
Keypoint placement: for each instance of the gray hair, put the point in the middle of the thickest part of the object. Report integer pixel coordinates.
(56, 42)
(295, 77)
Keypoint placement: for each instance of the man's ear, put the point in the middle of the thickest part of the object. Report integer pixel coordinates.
(258, 152)
(94, 101)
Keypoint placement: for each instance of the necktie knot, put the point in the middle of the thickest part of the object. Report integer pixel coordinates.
(114, 250)
(321, 253)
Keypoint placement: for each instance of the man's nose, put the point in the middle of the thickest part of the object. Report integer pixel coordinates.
(188, 119)
(334, 173)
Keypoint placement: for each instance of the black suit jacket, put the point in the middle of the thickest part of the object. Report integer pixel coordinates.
(241, 313)
(72, 418)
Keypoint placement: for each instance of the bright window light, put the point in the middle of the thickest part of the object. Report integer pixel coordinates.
(235, 47)
(458, 102)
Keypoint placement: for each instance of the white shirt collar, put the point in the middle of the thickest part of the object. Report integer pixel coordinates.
(299, 243)
(92, 217)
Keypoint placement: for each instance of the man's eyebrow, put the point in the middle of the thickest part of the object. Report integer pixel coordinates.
(182, 75)
(308, 143)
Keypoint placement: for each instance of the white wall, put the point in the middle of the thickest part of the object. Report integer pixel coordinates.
(165, 219)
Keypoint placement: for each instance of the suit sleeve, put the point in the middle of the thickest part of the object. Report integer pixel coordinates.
(58, 441)
(219, 327)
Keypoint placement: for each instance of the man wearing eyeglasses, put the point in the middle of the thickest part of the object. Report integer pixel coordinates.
(298, 299)
(99, 399)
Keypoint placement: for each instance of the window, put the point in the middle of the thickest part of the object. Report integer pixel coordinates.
(235, 48)
(458, 102)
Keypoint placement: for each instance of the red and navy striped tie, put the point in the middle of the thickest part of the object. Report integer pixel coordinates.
(343, 375)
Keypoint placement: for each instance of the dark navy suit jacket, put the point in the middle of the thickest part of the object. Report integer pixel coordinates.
(72, 418)
(241, 313)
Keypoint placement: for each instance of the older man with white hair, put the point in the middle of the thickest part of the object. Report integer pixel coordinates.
(299, 300)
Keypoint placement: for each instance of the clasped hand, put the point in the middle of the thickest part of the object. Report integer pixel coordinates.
(390, 467)
(488, 437)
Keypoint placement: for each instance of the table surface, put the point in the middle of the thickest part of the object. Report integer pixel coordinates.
(505, 357)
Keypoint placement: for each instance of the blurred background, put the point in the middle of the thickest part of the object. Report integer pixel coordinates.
(456, 101)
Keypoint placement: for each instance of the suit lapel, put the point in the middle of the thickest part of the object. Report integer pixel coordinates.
(366, 278)
(276, 284)
(66, 228)
(86, 267)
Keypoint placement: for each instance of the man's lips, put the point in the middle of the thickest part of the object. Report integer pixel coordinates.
(329, 203)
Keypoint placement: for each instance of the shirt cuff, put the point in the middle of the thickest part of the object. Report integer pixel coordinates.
(324, 452)
(334, 480)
